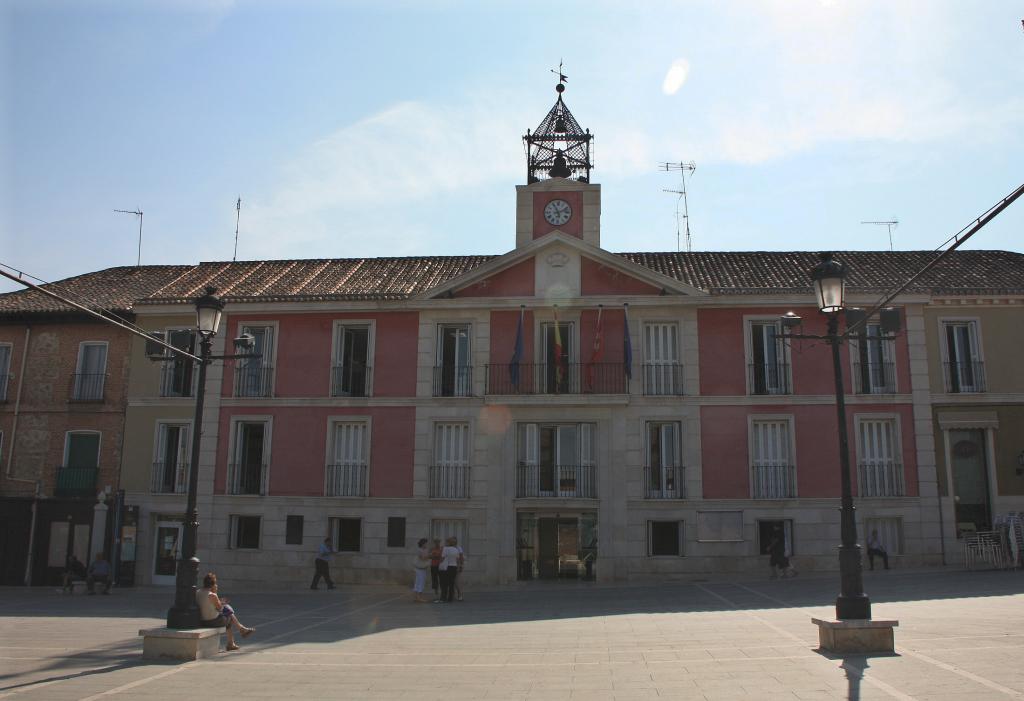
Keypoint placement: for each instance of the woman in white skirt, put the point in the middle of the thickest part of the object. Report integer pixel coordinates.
(421, 564)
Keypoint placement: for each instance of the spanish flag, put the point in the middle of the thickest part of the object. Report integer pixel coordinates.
(559, 363)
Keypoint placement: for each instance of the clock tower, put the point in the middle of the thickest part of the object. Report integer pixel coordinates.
(558, 195)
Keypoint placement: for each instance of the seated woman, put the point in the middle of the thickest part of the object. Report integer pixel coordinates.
(214, 611)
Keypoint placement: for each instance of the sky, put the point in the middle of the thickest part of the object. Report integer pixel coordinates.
(382, 128)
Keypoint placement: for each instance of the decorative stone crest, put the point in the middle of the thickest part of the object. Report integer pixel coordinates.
(557, 260)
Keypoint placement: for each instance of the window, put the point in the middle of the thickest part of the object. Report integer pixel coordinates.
(293, 530)
(767, 529)
(453, 374)
(347, 473)
(248, 470)
(396, 532)
(662, 372)
(663, 478)
(664, 538)
(171, 459)
(254, 377)
(874, 371)
(444, 528)
(449, 475)
(556, 460)
(245, 533)
(82, 450)
(5, 369)
(347, 533)
(90, 373)
(176, 375)
(879, 468)
(350, 375)
(964, 370)
(890, 533)
(769, 366)
(557, 372)
(773, 475)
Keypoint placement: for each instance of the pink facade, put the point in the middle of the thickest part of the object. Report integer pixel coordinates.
(726, 454)
(306, 341)
(299, 448)
(514, 281)
(599, 279)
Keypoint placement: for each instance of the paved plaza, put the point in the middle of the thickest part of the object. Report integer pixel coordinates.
(961, 636)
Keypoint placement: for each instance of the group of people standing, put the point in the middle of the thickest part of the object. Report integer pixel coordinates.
(445, 565)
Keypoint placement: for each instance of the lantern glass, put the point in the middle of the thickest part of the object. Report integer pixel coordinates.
(208, 312)
(829, 294)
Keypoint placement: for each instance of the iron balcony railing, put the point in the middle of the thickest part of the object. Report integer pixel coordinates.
(769, 378)
(169, 478)
(664, 482)
(965, 377)
(347, 480)
(177, 379)
(254, 380)
(449, 481)
(562, 481)
(874, 378)
(352, 380)
(880, 478)
(76, 482)
(247, 478)
(773, 481)
(5, 380)
(88, 386)
(663, 379)
(453, 381)
(557, 378)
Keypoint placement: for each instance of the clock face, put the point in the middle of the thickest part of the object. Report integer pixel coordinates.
(557, 212)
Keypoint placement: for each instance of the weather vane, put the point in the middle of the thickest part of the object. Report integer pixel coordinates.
(561, 76)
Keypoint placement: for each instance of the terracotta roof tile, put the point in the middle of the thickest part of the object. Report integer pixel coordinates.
(759, 272)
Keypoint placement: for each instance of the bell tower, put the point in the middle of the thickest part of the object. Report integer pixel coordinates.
(558, 195)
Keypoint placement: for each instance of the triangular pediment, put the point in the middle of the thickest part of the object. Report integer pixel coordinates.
(600, 273)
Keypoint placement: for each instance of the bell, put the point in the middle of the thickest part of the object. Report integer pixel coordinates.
(559, 169)
(559, 125)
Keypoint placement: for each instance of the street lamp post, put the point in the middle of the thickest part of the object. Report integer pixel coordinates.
(829, 278)
(185, 612)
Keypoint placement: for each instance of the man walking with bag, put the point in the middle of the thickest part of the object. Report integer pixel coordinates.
(323, 565)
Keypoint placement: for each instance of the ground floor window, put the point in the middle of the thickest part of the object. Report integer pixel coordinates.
(766, 530)
(444, 528)
(890, 534)
(664, 538)
(347, 534)
(396, 531)
(293, 530)
(245, 533)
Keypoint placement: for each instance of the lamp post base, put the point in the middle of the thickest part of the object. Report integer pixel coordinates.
(183, 618)
(853, 608)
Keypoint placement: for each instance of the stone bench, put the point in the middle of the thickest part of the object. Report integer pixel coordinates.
(188, 644)
(860, 636)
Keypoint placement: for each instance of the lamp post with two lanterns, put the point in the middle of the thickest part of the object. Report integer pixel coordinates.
(209, 308)
(828, 279)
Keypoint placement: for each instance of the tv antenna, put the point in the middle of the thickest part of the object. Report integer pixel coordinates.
(238, 215)
(138, 213)
(890, 224)
(684, 168)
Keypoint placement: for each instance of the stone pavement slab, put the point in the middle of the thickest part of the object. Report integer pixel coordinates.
(961, 636)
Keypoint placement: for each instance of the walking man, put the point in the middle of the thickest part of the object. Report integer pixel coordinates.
(99, 571)
(323, 565)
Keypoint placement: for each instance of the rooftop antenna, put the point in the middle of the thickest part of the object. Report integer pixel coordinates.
(890, 224)
(138, 213)
(684, 168)
(238, 215)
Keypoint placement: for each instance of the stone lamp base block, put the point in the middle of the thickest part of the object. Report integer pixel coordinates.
(862, 636)
(170, 644)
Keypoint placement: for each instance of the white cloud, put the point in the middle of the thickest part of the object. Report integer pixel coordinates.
(351, 180)
(677, 74)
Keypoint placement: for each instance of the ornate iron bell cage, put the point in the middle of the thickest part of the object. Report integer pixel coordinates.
(559, 147)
